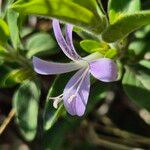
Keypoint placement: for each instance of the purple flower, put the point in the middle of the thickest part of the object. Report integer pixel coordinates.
(76, 92)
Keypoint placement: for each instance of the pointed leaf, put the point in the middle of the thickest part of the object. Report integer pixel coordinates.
(125, 25)
(12, 18)
(77, 12)
(122, 7)
(4, 31)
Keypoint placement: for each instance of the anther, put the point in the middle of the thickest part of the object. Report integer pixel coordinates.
(71, 98)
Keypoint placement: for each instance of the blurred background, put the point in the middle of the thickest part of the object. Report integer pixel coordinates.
(113, 120)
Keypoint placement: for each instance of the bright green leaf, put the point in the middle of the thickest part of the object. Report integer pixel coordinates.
(125, 25)
(12, 18)
(77, 12)
(25, 103)
(117, 9)
(92, 46)
(4, 31)
(111, 53)
(145, 63)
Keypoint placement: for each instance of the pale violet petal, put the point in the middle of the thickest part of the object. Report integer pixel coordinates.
(77, 105)
(69, 40)
(49, 68)
(61, 41)
(104, 69)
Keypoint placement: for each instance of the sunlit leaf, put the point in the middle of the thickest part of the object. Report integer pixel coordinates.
(76, 12)
(4, 31)
(117, 9)
(12, 18)
(92, 46)
(125, 25)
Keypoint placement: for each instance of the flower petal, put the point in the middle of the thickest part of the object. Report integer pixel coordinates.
(104, 69)
(61, 41)
(78, 89)
(69, 40)
(48, 68)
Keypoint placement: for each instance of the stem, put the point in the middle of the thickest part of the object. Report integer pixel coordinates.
(7, 120)
(127, 135)
(101, 141)
(16, 57)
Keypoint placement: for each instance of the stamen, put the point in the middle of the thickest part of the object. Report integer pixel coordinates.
(56, 100)
(78, 83)
(71, 98)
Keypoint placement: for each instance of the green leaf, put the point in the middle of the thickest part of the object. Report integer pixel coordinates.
(92, 46)
(3, 52)
(25, 103)
(12, 18)
(76, 12)
(122, 7)
(10, 77)
(111, 53)
(125, 25)
(136, 83)
(51, 114)
(41, 43)
(145, 63)
(4, 31)
(25, 31)
(140, 45)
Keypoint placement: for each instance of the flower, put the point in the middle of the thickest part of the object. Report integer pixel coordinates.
(76, 92)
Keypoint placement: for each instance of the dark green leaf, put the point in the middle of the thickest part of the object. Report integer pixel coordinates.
(136, 82)
(25, 103)
(51, 114)
(10, 77)
(41, 43)
(54, 136)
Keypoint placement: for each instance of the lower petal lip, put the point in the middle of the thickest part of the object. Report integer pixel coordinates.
(78, 88)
